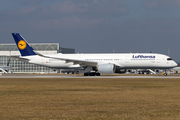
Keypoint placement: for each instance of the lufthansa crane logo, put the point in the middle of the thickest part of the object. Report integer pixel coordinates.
(22, 44)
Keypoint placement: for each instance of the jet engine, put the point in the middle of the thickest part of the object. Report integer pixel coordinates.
(106, 68)
(119, 70)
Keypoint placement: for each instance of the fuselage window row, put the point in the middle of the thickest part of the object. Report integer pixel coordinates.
(101, 59)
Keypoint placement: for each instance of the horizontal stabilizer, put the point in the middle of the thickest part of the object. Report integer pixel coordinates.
(20, 58)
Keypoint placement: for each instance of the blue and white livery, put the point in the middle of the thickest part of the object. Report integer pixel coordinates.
(98, 63)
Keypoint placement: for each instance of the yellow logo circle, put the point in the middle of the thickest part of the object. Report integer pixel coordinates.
(22, 44)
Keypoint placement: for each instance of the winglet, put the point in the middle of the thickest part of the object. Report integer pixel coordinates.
(23, 46)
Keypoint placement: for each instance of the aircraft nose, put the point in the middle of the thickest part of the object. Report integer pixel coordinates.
(175, 64)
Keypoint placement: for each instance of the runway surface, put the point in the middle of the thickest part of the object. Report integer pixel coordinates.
(79, 76)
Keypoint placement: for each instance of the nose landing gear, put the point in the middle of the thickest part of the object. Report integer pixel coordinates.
(165, 74)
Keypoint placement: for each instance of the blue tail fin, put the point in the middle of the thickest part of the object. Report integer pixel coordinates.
(23, 46)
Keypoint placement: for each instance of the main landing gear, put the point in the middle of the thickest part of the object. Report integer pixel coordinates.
(91, 74)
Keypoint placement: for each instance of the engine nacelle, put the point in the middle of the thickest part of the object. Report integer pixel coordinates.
(106, 68)
(119, 70)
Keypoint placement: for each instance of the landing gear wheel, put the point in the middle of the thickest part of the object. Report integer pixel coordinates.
(92, 74)
(86, 74)
(98, 74)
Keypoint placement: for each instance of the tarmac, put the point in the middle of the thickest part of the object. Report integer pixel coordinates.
(81, 76)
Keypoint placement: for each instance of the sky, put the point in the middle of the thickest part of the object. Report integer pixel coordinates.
(95, 26)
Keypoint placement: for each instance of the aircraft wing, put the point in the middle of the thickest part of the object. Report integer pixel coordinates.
(75, 61)
(80, 62)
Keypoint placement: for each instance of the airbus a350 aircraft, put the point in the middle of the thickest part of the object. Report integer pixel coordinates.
(94, 64)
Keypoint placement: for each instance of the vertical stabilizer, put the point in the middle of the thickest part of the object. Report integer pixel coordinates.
(23, 46)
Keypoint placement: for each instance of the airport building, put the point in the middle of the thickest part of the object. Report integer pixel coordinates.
(17, 66)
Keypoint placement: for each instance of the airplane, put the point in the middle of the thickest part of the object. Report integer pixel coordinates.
(5, 69)
(94, 64)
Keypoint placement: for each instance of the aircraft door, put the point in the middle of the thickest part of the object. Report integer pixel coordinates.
(158, 59)
(127, 59)
(42, 60)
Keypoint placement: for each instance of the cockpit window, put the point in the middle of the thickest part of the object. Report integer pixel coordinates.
(169, 59)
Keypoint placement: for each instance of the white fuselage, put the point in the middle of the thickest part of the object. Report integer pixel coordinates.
(125, 61)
